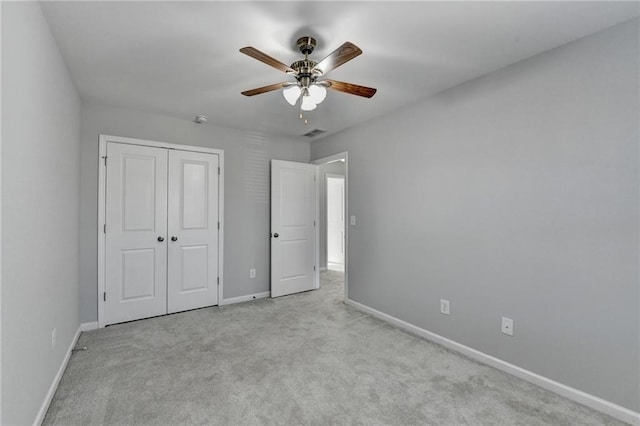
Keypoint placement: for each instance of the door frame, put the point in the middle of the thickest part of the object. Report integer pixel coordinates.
(341, 155)
(102, 186)
(328, 176)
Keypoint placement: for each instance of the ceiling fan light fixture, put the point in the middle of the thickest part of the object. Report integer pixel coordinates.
(317, 93)
(291, 94)
(306, 88)
(308, 104)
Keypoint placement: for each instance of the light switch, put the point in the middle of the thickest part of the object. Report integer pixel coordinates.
(353, 220)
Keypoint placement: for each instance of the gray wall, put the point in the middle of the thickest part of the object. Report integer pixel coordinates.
(40, 201)
(515, 194)
(336, 168)
(246, 191)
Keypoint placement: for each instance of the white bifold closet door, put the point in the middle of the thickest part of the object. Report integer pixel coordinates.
(162, 231)
(193, 231)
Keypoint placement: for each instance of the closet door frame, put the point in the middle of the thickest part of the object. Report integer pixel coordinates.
(102, 182)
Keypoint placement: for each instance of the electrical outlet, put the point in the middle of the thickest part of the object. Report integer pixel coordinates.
(507, 326)
(252, 273)
(444, 307)
(53, 338)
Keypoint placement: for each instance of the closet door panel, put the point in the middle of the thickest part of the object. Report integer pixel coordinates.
(135, 241)
(193, 230)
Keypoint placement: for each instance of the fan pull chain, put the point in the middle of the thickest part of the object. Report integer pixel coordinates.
(302, 117)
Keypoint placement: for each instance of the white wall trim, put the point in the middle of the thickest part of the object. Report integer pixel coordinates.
(247, 298)
(333, 176)
(146, 142)
(316, 230)
(323, 268)
(56, 380)
(102, 191)
(591, 401)
(335, 267)
(330, 158)
(88, 326)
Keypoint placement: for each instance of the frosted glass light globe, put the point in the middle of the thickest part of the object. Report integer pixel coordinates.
(291, 94)
(308, 104)
(317, 93)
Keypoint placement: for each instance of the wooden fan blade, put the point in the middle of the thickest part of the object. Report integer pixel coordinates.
(265, 89)
(263, 57)
(342, 54)
(352, 89)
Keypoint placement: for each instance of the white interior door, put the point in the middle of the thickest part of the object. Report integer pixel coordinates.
(335, 223)
(135, 244)
(293, 231)
(193, 230)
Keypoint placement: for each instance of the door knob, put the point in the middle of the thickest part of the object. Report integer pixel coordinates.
(276, 235)
(161, 239)
(174, 238)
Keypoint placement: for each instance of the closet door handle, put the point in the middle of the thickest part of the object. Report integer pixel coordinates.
(161, 239)
(174, 238)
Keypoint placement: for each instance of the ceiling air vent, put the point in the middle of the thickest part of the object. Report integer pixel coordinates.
(314, 133)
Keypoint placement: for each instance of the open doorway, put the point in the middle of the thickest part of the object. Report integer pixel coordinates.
(332, 213)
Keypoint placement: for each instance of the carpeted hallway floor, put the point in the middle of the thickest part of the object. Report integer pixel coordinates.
(301, 359)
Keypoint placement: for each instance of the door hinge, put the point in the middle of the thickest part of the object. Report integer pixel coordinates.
(314, 267)
(218, 225)
(104, 228)
(105, 160)
(218, 170)
(314, 223)
(104, 296)
(218, 280)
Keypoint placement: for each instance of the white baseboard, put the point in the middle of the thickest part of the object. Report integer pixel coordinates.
(56, 380)
(246, 298)
(335, 267)
(88, 326)
(591, 401)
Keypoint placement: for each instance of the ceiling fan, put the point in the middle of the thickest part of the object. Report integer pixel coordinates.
(310, 84)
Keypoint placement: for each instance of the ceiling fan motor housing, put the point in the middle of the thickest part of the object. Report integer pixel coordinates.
(304, 68)
(306, 44)
(305, 72)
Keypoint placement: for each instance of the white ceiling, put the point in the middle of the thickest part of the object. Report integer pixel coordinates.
(181, 58)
